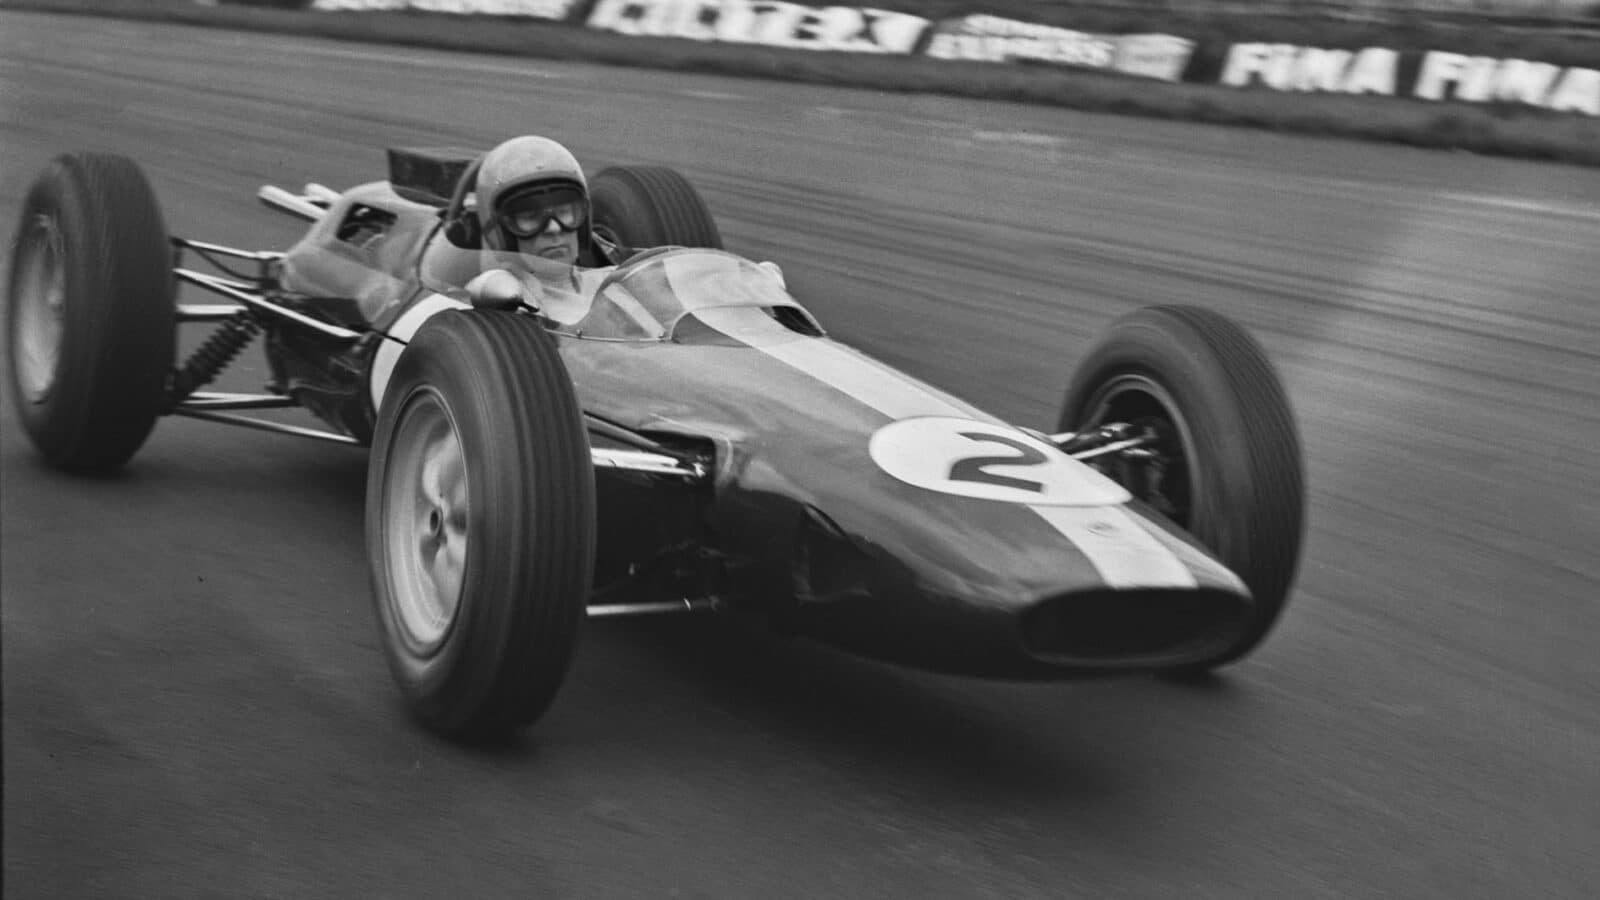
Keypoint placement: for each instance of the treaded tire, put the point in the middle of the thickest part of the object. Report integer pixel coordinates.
(480, 490)
(651, 206)
(1243, 474)
(89, 312)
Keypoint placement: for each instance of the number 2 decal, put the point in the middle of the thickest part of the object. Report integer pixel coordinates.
(989, 461)
(974, 468)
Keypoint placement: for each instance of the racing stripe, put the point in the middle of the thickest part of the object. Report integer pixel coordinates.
(868, 382)
(1124, 553)
(403, 329)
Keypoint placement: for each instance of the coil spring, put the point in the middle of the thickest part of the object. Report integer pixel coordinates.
(213, 355)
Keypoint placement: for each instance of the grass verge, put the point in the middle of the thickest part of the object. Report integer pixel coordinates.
(1496, 130)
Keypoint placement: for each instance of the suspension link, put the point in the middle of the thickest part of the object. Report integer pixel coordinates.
(211, 357)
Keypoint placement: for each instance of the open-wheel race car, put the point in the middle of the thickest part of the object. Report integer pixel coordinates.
(682, 437)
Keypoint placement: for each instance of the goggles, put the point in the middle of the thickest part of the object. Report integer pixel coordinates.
(529, 215)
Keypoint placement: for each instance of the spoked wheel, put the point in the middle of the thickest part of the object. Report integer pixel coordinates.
(89, 312)
(480, 522)
(1220, 454)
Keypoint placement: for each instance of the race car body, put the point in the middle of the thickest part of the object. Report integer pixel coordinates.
(949, 540)
(735, 456)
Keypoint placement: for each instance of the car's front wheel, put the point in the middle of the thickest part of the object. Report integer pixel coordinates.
(480, 522)
(1225, 464)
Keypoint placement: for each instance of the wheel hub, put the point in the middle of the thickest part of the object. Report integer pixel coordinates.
(426, 507)
(41, 307)
(1160, 471)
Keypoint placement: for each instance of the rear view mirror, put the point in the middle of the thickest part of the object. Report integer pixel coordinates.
(498, 289)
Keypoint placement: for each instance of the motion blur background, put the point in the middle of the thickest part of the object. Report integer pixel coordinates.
(195, 704)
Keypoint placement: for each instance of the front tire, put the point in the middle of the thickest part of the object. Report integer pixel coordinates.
(480, 522)
(1233, 475)
(89, 312)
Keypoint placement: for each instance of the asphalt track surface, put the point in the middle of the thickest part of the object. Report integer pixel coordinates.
(194, 700)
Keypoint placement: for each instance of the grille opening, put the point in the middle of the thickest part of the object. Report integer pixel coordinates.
(1119, 625)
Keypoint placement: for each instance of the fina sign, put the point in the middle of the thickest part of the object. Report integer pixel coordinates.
(1441, 76)
(1285, 67)
(1484, 79)
(767, 22)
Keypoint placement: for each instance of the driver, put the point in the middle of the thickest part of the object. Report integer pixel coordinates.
(534, 199)
(533, 205)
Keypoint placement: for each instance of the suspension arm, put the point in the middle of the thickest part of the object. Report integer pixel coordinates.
(241, 292)
(1118, 437)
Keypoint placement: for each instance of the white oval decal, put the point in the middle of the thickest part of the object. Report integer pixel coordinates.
(991, 462)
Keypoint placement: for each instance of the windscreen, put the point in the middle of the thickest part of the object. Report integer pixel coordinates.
(651, 295)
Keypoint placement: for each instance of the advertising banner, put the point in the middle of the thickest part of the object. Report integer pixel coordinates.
(1286, 67)
(275, 4)
(1436, 76)
(981, 38)
(1163, 56)
(766, 22)
(533, 9)
(1484, 79)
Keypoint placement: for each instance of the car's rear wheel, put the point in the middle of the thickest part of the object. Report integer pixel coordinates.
(89, 312)
(638, 207)
(480, 522)
(1227, 465)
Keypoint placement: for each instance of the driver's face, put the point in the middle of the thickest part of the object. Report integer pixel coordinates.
(552, 243)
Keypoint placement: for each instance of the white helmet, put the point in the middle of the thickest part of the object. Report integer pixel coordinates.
(517, 164)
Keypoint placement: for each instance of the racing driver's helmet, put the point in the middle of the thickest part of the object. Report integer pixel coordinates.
(527, 176)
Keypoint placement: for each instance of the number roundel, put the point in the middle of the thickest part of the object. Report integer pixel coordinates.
(988, 461)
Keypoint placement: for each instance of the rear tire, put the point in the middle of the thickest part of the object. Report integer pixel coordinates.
(480, 522)
(639, 207)
(89, 312)
(1236, 476)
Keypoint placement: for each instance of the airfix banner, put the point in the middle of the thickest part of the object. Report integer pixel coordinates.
(766, 22)
(535, 9)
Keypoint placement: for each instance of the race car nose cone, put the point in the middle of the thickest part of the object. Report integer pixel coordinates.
(1106, 628)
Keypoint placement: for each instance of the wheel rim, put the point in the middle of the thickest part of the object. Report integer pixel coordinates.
(426, 506)
(40, 298)
(1171, 481)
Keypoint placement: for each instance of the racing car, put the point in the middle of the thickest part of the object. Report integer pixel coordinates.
(695, 441)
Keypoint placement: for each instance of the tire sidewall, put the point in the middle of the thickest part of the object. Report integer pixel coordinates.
(440, 681)
(466, 673)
